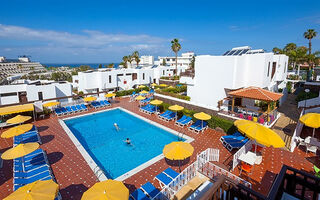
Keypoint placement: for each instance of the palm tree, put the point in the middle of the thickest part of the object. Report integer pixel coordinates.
(176, 46)
(130, 59)
(125, 61)
(277, 50)
(135, 56)
(309, 35)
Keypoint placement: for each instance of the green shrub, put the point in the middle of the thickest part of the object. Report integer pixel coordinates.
(187, 98)
(226, 125)
(289, 87)
(305, 95)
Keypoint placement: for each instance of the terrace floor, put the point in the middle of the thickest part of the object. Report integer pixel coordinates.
(74, 176)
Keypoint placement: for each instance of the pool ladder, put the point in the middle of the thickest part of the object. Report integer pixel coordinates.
(98, 172)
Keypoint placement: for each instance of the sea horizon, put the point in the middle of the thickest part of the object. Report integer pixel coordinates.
(92, 65)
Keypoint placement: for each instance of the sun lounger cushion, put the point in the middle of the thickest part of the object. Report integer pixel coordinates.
(138, 194)
(150, 189)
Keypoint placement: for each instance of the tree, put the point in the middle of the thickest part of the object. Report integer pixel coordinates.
(111, 65)
(176, 46)
(130, 59)
(135, 56)
(192, 62)
(277, 50)
(100, 66)
(125, 60)
(309, 35)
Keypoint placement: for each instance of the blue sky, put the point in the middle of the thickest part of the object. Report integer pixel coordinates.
(104, 31)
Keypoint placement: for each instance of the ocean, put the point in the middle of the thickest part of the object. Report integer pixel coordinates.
(92, 65)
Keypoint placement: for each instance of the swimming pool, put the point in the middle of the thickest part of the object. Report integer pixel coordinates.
(105, 145)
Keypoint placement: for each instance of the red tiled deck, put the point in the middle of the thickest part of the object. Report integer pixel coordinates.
(75, 176)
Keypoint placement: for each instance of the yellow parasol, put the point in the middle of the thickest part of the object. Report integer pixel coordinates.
(139, 98)
(18, 119)
(19, 151)
(51, 104)
(107, 190)
(178, 151)
(143, 92)
(163, 85)
(156, 102)
(202, 116)
(176, 108)
(141, 86)
(37, 190)
(312, 120)
(17, 130)
(88, 99)
(259, 133)
(110, 95)
(153, 84)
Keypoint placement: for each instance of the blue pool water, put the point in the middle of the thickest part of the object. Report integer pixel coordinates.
(106, 146)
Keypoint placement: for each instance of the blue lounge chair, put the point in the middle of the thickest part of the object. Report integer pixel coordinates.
(79, 108)
(69, 110)
(186, 122)
(58, 111)
(233, 140)
(138, 194)
(197, 123)
(167, 112)
(171, 173)
(29, 167)
(64, 110)
(236, 134)
(170, 117)
(181, 119)
(102, 104)
(163, 179)
(46, 175)
(74, 109)
(107, 103)
(150, 190)
(203, 125)
(84, 107)
(34, 138)
(31, 173)
(29, 161)
(236, 145)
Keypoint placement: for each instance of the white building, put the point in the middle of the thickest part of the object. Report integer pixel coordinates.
(147, 60)
(239, 67)
(22, 91)
(183, 60)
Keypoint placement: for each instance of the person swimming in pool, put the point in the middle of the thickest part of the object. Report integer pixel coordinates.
(116, 126)
(128, 141)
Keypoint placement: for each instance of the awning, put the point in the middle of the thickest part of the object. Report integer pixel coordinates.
(256, 93)
(16, 109)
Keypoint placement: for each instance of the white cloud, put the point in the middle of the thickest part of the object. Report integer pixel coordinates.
(83, 43)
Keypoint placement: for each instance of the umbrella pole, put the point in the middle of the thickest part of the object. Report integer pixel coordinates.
(313, 132)
(23, 169)
(179, 166)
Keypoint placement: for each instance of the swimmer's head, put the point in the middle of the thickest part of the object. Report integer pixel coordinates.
(115, 124)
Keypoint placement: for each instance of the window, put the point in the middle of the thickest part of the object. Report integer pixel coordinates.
(134, 76)
(168, 59)
(162, 72)
(8, 94)
(143, 76)
(109, 78)
(274, 65)
(40, 96)
(268, 69)
(76, 81)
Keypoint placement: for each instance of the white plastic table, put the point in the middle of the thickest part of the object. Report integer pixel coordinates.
(248, 157)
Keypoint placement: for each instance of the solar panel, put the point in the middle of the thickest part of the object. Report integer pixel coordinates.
(237, 52)
(244, 51)
(226, 53)
(231, 52)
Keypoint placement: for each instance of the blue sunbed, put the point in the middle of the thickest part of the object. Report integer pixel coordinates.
(163, 179)
(197, 123)
(74, 109)
(58, 111)
(17, 186)
(84, 107)
(29, 167)
(102, 103)
(167, 112)
(171, 173)
(203, 125)
(42, 176)
(107, 103)
(138, 194)
(236, 145)
(150, 190)
(236, 134)
(69, 110)
(64, 110)
(226, 141)
(79, 108)
(32, 173)
(181, 119)
(186, 122)
(172, 116)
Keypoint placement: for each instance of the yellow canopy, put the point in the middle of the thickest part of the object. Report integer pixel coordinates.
(176, 108)
(178, 150)
(18, 119)
(19, 151)
(163, 85)
(259, 133)
(156, 102)
(107, 190)
(170, 87)
(17, 130)
(51, 104)
(37, 190)
(110, 95)
(139, 98)
(142, 86)
(153, 84)
(144, 92)
(202, 116)
(311, 119)
(90, 99)
(16, 109)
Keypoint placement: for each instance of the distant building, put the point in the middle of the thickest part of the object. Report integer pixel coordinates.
(22, 91)
(17, 67)
(183, 60)
(236, 68)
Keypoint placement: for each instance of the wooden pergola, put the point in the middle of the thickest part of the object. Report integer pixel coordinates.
(255, 93)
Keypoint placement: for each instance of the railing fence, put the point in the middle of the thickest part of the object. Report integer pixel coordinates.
(244, 149)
